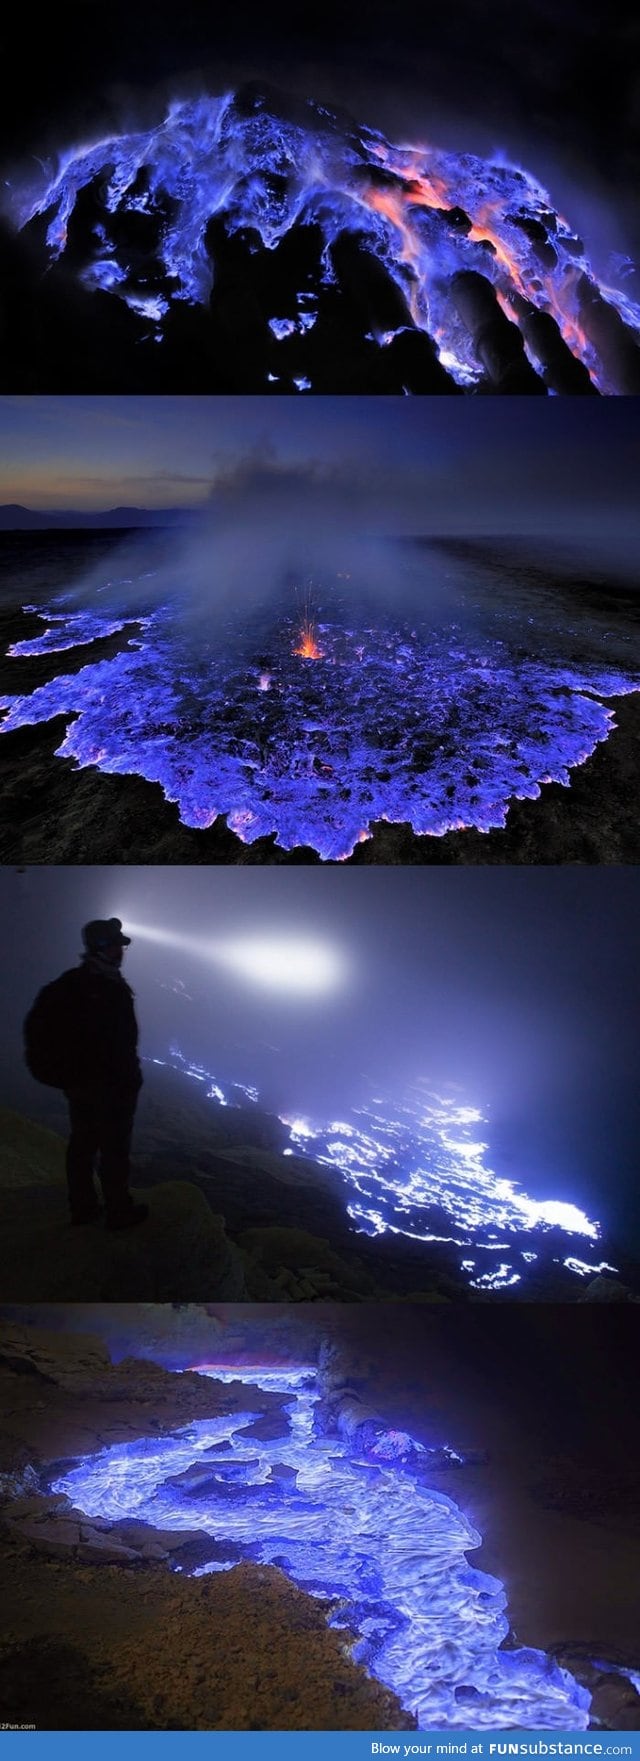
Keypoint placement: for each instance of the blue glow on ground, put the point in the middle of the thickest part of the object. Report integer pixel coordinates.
(630, 1675)
(266, 171)
(372, 1538)
(416, 1167)
(393, 722)
(585, 1270)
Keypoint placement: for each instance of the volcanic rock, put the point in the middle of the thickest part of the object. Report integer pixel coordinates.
(50, 1526)
(372, 289)
(29, 1154)
(602, 1289)
(202, 1477)
(299, 1267)
(165, 238)
(560, 369)
(614, 1702)
(69, 1360)
(153, 1650)
(181, 1252)
(616, 343)
(58, 1531)
(270, 1426)
(414, 357)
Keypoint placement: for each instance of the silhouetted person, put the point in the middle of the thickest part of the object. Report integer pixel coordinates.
(82, 1036)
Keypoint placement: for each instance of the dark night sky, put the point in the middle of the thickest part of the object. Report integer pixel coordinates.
(520, 985)
(556, 80)
(560, 467)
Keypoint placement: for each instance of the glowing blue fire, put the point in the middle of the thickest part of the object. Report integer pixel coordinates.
(265, 165)
(630, 1675)
(415, 1168)
(373, 1539)
(392, 722)
(585, 1270)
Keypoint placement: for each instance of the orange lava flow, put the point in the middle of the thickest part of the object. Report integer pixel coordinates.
(418, 191)
(394, 203)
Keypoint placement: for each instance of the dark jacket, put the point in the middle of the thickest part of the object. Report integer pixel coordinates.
(96, 1029)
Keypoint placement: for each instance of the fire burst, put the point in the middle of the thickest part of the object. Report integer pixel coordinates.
(307, 644)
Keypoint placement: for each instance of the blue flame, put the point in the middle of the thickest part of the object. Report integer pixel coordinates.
(630, 1675)
(414, 1167)
(373, 1539)
(265, 164)
(393, 721)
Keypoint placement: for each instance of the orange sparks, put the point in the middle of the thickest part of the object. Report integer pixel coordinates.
(307, 643)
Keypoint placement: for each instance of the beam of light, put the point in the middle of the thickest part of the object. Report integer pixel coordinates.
(364, 1529)
(397, 722)
(284, 963)
(406, 1168)
(265, 165)
(276, 962)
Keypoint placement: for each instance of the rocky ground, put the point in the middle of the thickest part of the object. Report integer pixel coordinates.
(185, 1250)
(230, 1220)
(104, 1633)
(139, 1649)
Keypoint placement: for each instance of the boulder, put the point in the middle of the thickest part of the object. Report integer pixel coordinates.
(181, 1253)
(614, 340)
(66, 1359)
(200, 1478)
(603, 1289)
(106, 1550)
(29, 1154)
(16, 1486)
(269, 1428)
(45, 1530)
(296, 1266)
(497, 343)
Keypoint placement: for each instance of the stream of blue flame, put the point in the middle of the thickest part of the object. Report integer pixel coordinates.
(386, 1552)
(416, 1167)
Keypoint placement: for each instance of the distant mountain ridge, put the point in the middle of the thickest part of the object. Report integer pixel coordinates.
(14, 518)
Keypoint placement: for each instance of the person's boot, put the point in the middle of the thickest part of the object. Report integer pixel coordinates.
(127, 1215)
(84, 1204)
(86, 1214)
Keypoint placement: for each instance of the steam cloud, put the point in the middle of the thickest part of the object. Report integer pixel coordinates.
(268, 525)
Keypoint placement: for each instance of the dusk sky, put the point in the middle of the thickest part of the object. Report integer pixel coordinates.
(439, 464)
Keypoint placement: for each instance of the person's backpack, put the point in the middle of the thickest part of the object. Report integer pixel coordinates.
(48, 1039)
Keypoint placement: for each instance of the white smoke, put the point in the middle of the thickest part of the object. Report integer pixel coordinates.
(267, 528)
